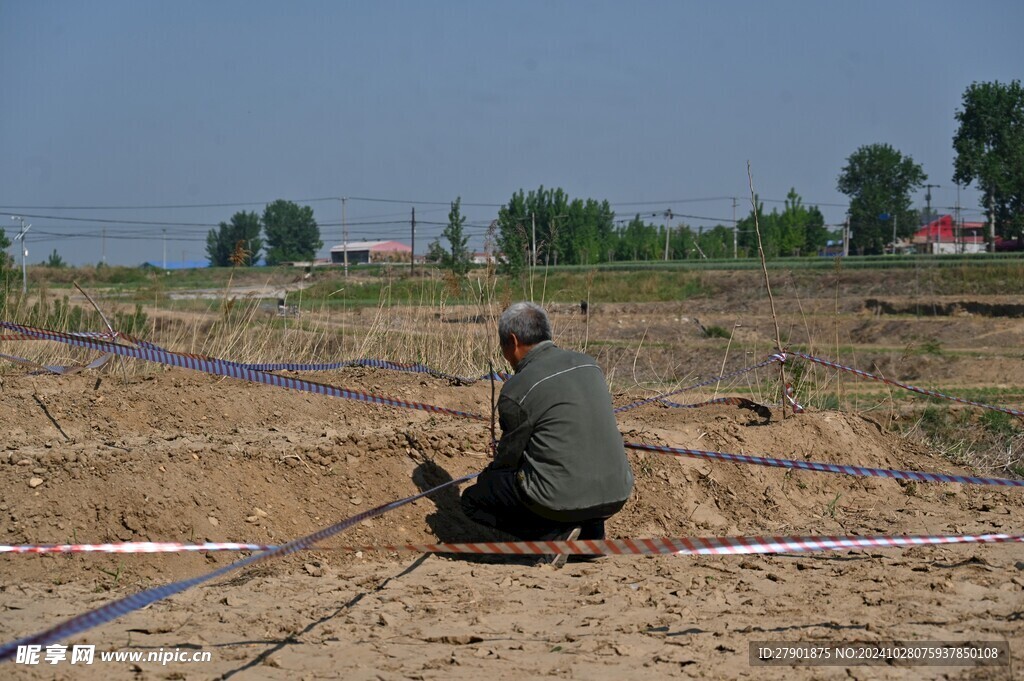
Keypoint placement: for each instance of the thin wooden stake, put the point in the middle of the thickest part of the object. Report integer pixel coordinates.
(768, 286)
(110, 328)
(494, 439)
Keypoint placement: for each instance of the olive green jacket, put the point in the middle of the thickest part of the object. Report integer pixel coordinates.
(559, 433)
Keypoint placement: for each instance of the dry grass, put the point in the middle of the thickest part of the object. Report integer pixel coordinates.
(428, 329)
(432, 324)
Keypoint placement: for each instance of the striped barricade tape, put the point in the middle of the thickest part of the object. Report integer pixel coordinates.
(724, 545)
(134, 547)
(29, 364)
(388, 364)
(222, 368)
(137, 601)
(603, 547)
(694, 545)
(716, 379)
(742, 402)
(60, 370)
(280, 366)
(81, 334)
(842, 469)
(905, 386)
(419, 368)
(118, 608)
(791, 398)
(331, 366)
(370, 363)
(63, 370)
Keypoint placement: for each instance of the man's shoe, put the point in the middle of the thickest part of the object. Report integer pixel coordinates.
(559, 559)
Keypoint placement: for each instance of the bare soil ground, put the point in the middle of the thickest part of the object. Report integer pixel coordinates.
(177, 456)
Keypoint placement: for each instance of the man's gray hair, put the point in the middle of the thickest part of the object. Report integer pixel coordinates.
(528, 321)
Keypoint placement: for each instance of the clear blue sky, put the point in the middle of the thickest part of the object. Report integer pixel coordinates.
(141, 103)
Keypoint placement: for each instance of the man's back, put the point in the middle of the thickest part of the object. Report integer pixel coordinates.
(556, 412)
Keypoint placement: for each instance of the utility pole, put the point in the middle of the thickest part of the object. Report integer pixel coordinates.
(164, 230)
(412, 256)
(735, 228)
(24, 252)
(958, 229)
(103, 247)
(668, 230)
(846, 237)
(533, 257)
(991, 224)
(928, 203)
(344, 235)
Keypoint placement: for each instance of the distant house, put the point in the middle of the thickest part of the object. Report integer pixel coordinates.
(484, 258)
(833, 248)
(943, 236)
(176, 264)
(361, 252)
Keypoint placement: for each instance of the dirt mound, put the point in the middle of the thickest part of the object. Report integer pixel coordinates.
(182, 457)
(178, 456)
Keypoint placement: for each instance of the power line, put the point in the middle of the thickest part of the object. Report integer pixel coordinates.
(124, 222)
(671, 201)
(805, 203)
(423, 203)
(703, 218)
(167, 206)
(368, 220)
(371, 199)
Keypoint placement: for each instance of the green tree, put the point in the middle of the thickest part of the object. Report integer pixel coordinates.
(551, 210)
(989, 147)
(457, 258)
(640, 240)
(746, 234)
(583, 232)
(716, 242)
(816, 235)
(685, 244)
(792, 225)
(435, 252)
(602, 217)
(55, 260)
(512, 236)
(292, 233)
(879, 180)
(801, 229)
(564, 231)
(240, 237)
(797, 230)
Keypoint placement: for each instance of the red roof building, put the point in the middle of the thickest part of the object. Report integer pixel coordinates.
(944, 236)
(371, 252)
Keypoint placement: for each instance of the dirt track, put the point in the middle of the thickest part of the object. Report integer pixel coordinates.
(181, 457)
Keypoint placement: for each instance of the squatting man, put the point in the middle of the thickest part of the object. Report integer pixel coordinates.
(560, 470)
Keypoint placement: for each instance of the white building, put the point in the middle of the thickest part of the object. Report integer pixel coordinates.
(370, 252)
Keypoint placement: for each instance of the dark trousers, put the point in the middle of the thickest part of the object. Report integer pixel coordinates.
(496, 501)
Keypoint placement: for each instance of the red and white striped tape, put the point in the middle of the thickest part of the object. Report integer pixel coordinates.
(133, 547)
(617, 547)
(697, 545)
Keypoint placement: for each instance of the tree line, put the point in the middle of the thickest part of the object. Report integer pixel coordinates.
(548, 227)
(286, 230)
(989, 146)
